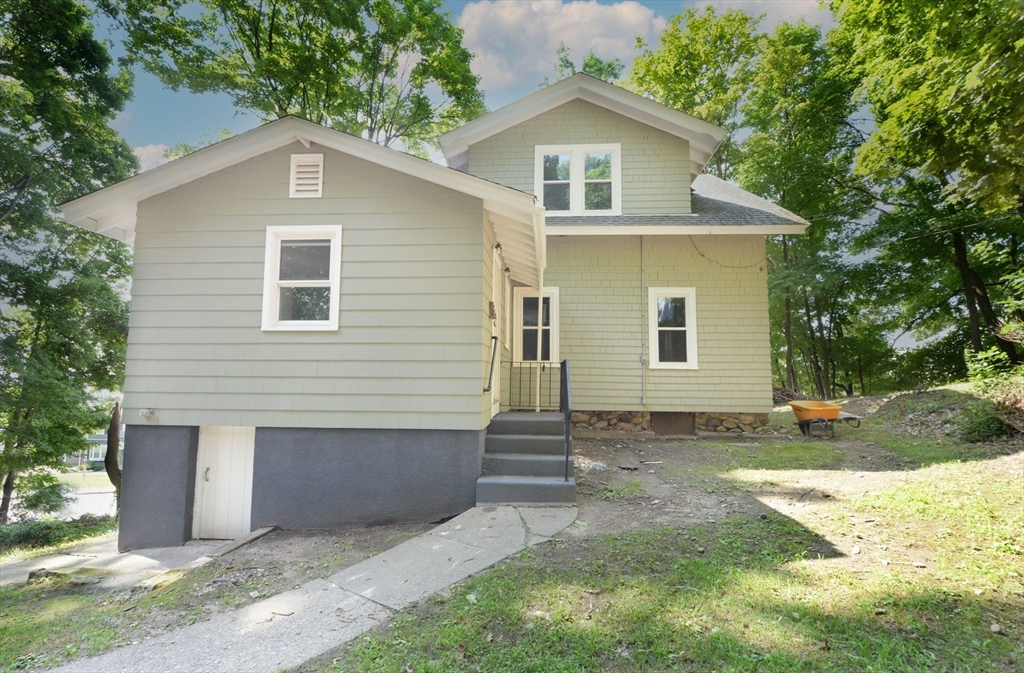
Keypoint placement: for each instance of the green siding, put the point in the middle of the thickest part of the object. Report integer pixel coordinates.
(655, 164)
(408, 353)
(603, 322)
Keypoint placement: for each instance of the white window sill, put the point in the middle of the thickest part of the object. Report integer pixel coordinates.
(673, 365)
(585, 213)
(318, 327)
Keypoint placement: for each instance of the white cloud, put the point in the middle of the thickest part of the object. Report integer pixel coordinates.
(515, 42)
(150, 156)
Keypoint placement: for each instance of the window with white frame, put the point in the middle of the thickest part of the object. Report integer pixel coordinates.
(672, 315)
(579, 179)
(536, 325)
(302, 278)
(97, 452)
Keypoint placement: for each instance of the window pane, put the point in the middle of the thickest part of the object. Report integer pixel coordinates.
(556, 196)
(547, 312)
(597, 196)
(305, 260)
(305, 303)
(671, 312)
(545, 344)
(556, 166)
(671, 345)
(529, 311)
(529, 344)
(598, 167)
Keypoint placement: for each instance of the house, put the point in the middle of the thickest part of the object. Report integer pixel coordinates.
(96, 453)
(325, 332)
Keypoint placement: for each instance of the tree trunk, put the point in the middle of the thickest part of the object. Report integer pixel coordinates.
(860, 375)
(113, 449)
(974, 289)
(787, 326)
(815, 362)
(5, 503)
(828, 369)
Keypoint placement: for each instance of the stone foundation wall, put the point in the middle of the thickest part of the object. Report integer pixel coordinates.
(620, 421)
(734, 423)
(640, 421)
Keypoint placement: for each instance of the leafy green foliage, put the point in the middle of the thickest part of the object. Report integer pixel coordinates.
(41, 493)
(41, 533)
(980, 422)
(943, 83)
(57, 94)
(703, 67)
(592, 65)
(387, 70)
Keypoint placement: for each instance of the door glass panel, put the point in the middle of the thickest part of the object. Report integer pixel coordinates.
(305, 303)
(597, 196)
(547, 312)
(671, 345)
(545, 345)
(556, 167)
(529, 344)
(556, 196)
(529, 311)
(305, 260)
(671, 312)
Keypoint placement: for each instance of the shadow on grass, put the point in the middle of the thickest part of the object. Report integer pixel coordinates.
(738, 597)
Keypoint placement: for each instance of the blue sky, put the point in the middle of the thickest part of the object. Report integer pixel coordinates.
(514, 42)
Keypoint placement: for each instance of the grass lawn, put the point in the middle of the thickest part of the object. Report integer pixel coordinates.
(79, 479)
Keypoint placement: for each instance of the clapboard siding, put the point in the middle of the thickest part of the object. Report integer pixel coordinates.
(655, 164)
(408, 353)
(604, 331)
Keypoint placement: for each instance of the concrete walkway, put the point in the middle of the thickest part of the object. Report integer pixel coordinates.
(283, 631)
(126, 569)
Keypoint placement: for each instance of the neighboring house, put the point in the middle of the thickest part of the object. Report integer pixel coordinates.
(96, 453)
(313, 315)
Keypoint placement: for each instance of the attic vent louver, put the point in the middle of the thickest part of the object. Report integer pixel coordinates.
(307, 176)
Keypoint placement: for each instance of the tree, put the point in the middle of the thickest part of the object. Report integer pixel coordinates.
(63, 316)
(57, 95)
(110, 462)
(946, 93)
(703, 67)
(799, 154)
(592, 65)
(367, 67)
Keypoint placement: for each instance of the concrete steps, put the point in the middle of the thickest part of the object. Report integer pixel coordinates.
(524, 461)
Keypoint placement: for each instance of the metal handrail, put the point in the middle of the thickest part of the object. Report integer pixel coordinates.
(494, 356)
(565, 406)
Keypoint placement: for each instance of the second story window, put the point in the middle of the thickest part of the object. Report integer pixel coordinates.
(579, 179)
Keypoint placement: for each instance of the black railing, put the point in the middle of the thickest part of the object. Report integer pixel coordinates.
(565, 406)
(530, 385)
(494, 358)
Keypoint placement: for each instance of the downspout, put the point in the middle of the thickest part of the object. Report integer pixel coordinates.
(643, 327)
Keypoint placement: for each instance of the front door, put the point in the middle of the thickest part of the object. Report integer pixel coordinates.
(223, 483)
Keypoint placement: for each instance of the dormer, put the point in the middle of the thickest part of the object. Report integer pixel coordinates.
(586, 149)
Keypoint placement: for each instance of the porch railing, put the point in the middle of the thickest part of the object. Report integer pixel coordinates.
(565, 406)
(531, 385)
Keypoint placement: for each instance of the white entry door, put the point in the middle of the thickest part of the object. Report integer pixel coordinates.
(223, 483)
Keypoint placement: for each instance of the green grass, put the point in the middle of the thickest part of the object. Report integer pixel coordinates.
(21, 541)
(81, 479)
(631, 489)
(744, 596)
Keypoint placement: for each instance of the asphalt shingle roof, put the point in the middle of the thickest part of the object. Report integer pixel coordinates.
(713, 202)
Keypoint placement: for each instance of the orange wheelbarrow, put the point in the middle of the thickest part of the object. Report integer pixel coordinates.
(820, 417)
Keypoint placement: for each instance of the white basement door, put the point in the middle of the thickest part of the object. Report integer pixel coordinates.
(223, 483)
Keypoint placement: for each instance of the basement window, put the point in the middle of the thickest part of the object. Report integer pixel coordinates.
(306, 179)
(672, 318)
(579, 179)
(302, 278)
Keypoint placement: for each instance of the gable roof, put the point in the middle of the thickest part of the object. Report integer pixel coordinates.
(518, 221)
(717, 207)
(704, 138)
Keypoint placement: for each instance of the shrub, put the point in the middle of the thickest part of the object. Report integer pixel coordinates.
(42, 533)
(979, 421)
(41, 493)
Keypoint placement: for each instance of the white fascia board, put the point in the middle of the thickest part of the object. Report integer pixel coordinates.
(127, 194)
(672, 230)
(703, 136)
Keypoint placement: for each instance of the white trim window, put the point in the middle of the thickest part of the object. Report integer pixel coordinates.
(672, 317)
(536, 325)
(302, 278)
(579, 179)
(306, 177)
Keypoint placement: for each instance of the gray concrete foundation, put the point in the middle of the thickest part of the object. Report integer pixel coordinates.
(305, 478)
(158, 484)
